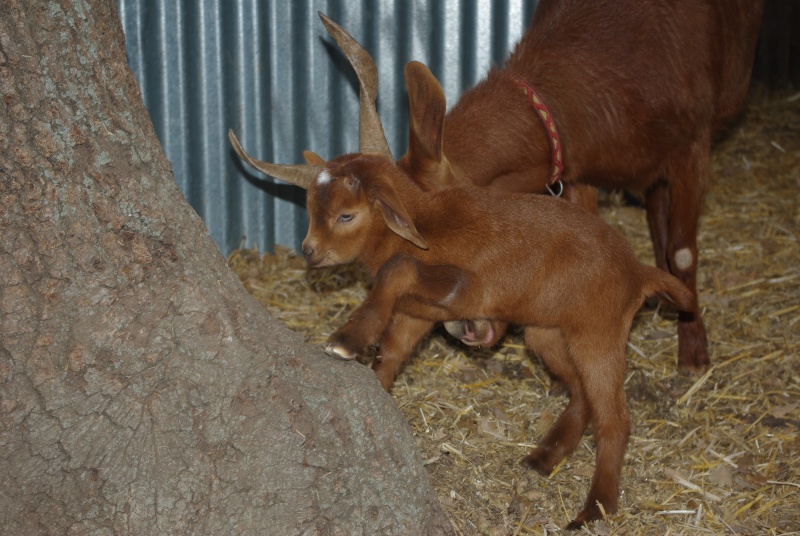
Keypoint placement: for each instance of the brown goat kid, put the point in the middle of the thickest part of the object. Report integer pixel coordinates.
(569, 278)
(448, 253)
(564, 274)
(636, 88)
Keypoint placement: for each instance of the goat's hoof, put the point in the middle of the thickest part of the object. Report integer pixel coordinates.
(693, 370)
(575, 525)
(590, 513)
(339, 351)
(541, 460)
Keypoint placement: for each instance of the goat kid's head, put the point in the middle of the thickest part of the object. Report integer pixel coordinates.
(348, 196)
(352, 207)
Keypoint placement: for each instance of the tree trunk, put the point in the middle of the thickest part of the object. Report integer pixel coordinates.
(142, 390)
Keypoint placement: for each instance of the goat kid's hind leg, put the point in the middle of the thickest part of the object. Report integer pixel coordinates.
(561, 440)
(403, 284)
(601, 368)
(397, 346)
(689, 178)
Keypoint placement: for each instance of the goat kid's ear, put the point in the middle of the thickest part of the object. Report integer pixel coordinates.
(427, 109)
(394, 214)
(313, 159)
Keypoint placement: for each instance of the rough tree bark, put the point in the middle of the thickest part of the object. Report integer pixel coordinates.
(142, 390)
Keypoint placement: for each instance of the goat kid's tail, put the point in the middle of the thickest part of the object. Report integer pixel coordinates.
(669, 288)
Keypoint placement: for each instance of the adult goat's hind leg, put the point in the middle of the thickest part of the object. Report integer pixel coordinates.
(687, 187)
(657, 203)
(672, 215)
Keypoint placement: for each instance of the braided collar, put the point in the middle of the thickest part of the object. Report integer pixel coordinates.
(557, 162)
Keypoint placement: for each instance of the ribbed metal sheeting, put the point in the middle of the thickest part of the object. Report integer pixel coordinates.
(268, 70)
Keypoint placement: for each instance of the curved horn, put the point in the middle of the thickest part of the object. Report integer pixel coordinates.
(299, 175)
(371, 138)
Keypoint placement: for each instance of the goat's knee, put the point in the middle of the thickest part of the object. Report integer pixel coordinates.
(438, 285)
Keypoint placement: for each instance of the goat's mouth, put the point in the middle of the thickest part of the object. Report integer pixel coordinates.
(320, 261)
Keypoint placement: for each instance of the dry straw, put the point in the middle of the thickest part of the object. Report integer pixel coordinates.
(711, 455)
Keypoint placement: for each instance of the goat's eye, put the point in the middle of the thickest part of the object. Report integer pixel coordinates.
(344, 218)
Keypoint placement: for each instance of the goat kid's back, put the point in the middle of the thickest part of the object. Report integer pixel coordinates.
(539, 260)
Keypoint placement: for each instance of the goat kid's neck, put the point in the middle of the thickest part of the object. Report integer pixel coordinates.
(383, 242)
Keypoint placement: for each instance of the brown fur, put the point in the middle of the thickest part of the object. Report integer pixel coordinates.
(561, 272)
(637, 89)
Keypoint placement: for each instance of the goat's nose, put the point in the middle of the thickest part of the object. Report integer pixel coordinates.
(308, 253)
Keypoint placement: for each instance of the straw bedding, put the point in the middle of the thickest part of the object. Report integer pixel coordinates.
(718, 454)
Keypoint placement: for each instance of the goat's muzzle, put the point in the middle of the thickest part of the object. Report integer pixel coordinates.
(308, 255)
(315, 257)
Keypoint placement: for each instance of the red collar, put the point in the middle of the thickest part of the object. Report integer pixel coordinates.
(557, 167)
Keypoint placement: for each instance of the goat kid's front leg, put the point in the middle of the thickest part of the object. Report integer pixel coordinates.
(362, 330)
(397, 346)
(419, 289)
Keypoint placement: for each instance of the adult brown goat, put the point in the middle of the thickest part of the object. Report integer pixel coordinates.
(637, 90)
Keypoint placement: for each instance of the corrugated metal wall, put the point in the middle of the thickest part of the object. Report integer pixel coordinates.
(268, 69)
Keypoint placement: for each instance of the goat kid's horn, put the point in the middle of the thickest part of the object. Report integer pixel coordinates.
(299, 175)
(371, 138)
